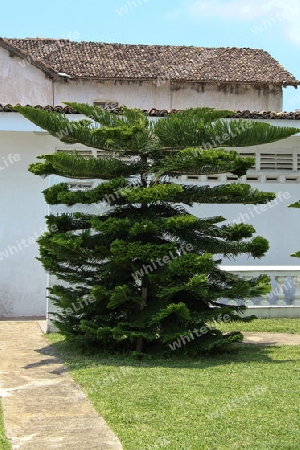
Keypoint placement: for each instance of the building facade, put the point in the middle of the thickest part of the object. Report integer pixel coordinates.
(50, 72)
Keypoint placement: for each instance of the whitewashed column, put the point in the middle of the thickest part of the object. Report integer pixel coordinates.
(296, 281)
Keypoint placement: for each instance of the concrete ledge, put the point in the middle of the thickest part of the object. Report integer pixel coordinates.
(272, 312)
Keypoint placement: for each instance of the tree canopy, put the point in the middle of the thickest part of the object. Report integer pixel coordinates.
(147, 272)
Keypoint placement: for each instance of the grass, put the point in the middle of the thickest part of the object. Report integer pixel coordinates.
(246, 399)
(291, 326)
(4, 444)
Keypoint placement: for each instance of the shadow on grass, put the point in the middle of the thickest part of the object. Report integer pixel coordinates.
(69, 354)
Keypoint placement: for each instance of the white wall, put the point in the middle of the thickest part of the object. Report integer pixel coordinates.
(144, 95)
(233, 97)
(23, 83)
(22, 279)
(162, 95)
(278, 223)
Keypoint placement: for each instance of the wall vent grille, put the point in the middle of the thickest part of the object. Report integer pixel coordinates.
(276, 161)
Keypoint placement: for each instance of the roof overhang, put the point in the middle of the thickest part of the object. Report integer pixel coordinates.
(153, 112)
(161, 80)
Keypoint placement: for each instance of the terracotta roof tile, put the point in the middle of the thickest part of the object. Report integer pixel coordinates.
(151, 62)
(246, 114)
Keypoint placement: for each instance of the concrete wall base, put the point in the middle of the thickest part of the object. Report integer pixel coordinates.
(276, 312)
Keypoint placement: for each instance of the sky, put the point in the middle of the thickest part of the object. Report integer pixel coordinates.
(271, 25)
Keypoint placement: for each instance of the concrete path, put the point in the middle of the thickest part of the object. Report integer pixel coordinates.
(43, 407)
(271, 338)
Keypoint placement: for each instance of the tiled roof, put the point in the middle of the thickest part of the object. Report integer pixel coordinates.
(59, 109)
(246, 114)
(94, 60)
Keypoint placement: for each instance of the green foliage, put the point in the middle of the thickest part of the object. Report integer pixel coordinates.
(146, 271)
(61, 194)
(238, 133)
(157, 193)
(79, 167)
(200, 161)
(225, 193)
(295, 205)
(206, 128)
(189, 128)
(4, 443)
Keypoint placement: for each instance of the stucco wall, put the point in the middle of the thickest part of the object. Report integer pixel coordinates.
(233, 97)
(22, 279)
(22, 83)
(274, 221)
(163, 95)
(140, 95)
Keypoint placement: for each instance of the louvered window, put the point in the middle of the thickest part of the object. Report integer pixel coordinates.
(103, 154)
(80, 186)
(276, 161)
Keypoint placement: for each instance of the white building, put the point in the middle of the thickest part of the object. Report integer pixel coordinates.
(48, 72)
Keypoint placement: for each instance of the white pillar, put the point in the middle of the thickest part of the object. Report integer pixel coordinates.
(296, 281)
(264, 300)
(281, 295)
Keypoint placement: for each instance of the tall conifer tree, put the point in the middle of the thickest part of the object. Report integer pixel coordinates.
(146, 272)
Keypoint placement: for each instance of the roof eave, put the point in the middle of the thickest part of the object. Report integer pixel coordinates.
(184, 80)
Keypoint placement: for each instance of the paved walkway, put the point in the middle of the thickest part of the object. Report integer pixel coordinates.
(43, 407)
(271, 338)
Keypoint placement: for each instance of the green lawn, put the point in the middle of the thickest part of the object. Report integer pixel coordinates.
(4, 444)
(291, 326)
(246, 400)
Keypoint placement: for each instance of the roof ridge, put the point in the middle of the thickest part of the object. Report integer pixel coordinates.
(38, 38)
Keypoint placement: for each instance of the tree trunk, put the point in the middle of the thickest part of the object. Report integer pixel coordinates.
(140, 340)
